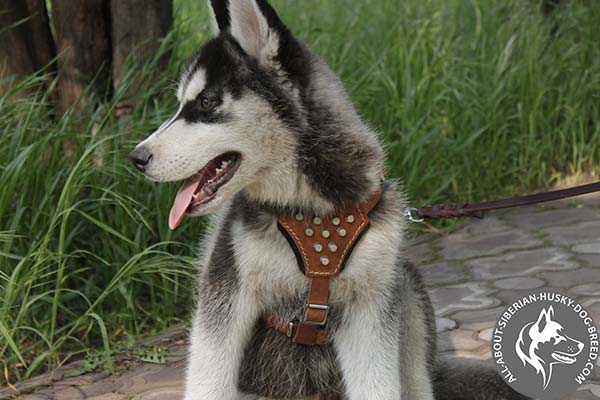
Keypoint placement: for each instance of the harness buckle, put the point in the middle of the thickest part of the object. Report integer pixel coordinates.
(320, 307)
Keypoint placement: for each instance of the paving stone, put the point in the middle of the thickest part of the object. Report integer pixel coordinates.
(416, 237)
(591, 199)
(583, 394)
(29, 385)
(442, 273)
(590, 260)
(444, 324)
(84, 379)
(548, 218)
(464, 296)
(492, 223)
(592, 304)
(475, 240)
(566, 279)
(570, 235)
(150, 376)
(525, 282)
(478, 320)
(110, 396)
(509, 296)
(420, 254)
(506, 214)
(594, 378)
(486, 334)
(587, 289)
(590, 389)
(163, 394)
(480, 354)
(68, 393)
(99, 388)
(459, 339)
(521, 263)
(587, 248)
(175, 337)
(594, 388)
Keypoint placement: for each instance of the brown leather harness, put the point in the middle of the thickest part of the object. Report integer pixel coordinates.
(322, 246)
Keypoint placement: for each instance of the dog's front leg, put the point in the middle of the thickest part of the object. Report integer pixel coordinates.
(368, 349)
(221, 328)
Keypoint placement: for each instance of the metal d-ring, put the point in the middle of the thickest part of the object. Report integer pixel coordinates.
(412, 214)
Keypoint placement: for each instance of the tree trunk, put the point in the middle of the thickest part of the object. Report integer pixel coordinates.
(90, 34)
(82, 29)
(136, 27)
(27, 44)
(549, 6)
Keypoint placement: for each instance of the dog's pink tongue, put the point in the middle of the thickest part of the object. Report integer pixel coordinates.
(182, 201)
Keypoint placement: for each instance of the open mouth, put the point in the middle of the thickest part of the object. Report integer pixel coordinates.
(201, 188)
(563, 358)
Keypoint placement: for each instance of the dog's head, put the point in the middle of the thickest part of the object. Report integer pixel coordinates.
(248, 102)
(225, 132)
(544, 343)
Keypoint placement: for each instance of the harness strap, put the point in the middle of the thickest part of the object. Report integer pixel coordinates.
(322, 246)
(310, 330)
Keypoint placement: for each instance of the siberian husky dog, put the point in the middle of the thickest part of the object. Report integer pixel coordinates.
(264, 128)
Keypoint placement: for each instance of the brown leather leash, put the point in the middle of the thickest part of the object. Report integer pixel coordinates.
(476, 210)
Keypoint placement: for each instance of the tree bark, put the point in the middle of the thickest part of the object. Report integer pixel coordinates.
(137, 26)
(89, 36)
(82, 29)
(549, 6)
(27, 44)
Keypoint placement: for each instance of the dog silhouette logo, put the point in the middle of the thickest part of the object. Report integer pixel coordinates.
(544, 344)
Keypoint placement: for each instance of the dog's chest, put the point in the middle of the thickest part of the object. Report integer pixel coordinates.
(268, 277)
(268, 269)
(266, 263)
(273, 366)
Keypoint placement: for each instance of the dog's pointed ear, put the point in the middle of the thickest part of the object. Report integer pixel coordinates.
(257, 28)
(544, 318)
(219, 12)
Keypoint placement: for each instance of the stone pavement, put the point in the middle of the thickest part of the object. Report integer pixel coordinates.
(472, 273)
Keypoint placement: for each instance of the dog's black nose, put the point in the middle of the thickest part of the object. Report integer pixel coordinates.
(140, 156)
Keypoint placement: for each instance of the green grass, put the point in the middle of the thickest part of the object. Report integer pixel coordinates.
(474, 99)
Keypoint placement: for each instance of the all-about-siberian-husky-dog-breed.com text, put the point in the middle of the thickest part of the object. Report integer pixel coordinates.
(303, 288)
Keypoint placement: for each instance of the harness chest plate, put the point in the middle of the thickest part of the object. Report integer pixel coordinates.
(322, 246)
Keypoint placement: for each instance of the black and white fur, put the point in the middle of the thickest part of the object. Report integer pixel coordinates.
(303, 148)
